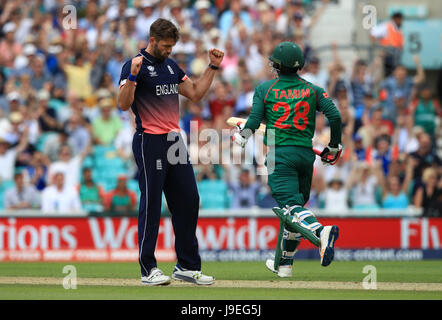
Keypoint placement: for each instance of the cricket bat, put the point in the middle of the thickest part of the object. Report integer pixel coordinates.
(235, 121)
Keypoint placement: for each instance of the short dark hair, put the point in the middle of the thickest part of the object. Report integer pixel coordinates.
(397, 14)
(163, 29)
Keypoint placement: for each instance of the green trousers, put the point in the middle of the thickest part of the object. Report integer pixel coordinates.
(291, 179)
(290, 183)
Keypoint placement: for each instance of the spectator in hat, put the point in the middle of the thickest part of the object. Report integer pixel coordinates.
(13, 99)
(121, 199)
(185, 44)
(22, 195)
(147, 16)
(17, 127)
(46, 115)
(60, 198)
(106, 127)
(202, 8)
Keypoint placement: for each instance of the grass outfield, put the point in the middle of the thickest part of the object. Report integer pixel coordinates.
(310, 271)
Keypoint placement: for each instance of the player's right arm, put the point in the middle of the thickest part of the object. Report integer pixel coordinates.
(127, 87)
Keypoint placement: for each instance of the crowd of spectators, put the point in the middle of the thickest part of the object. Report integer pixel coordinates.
(58, 88)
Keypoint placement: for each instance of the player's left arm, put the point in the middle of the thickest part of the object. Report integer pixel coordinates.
(195, 90)
(254, 120)
(332, 152)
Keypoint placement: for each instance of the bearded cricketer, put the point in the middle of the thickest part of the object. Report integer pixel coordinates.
(149, 85)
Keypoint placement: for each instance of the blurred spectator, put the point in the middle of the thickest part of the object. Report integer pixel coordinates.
(375, 127)
(314, 73)
(59, 198)
(8, 156)
(425, 110)
(91, 194)
(230, 62)
(389, 35)
(429, 194)
(9, 48)
(78, 75)
(363, 182)
(221, 99)
(245, 191)
(121, 199)
(106, 127)
(40, 76)
(21, 196)
(47, 116)
(67, 164)
(205, 172)
(79, 136)
(37, 170)
(194, 114)
(234, 16)
(335, 196)
(243, 103)
(147, 16)
(399, 85)
(424, 156)
(395, 191)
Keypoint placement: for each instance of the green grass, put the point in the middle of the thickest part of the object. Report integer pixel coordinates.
(387, 271)
(43, 292)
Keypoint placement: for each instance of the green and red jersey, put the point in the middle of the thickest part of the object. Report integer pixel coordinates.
(288, 105)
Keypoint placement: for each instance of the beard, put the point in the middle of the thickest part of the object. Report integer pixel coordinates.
(157, 54)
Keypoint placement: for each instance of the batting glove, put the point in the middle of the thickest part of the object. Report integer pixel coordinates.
(237, 137)
(331, 154)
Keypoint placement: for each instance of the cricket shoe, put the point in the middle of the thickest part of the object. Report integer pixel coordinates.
(328, 237)
(193, 276)
(156, 277)
(282, 272)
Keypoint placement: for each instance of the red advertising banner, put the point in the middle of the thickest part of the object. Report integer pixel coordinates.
(115, 239)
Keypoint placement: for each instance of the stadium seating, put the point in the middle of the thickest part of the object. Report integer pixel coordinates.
(213, 194)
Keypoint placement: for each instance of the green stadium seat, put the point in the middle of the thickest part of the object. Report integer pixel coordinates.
(213, 194)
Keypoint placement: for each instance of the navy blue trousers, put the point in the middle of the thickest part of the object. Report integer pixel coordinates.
(158, 171)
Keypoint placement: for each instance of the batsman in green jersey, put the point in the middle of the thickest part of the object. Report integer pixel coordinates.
(288, 106)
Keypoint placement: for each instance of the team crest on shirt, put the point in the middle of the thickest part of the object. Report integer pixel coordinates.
(170, 69)
(152, 71)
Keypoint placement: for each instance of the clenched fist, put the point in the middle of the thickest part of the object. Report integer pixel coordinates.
(216, 56)
(136, 65)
